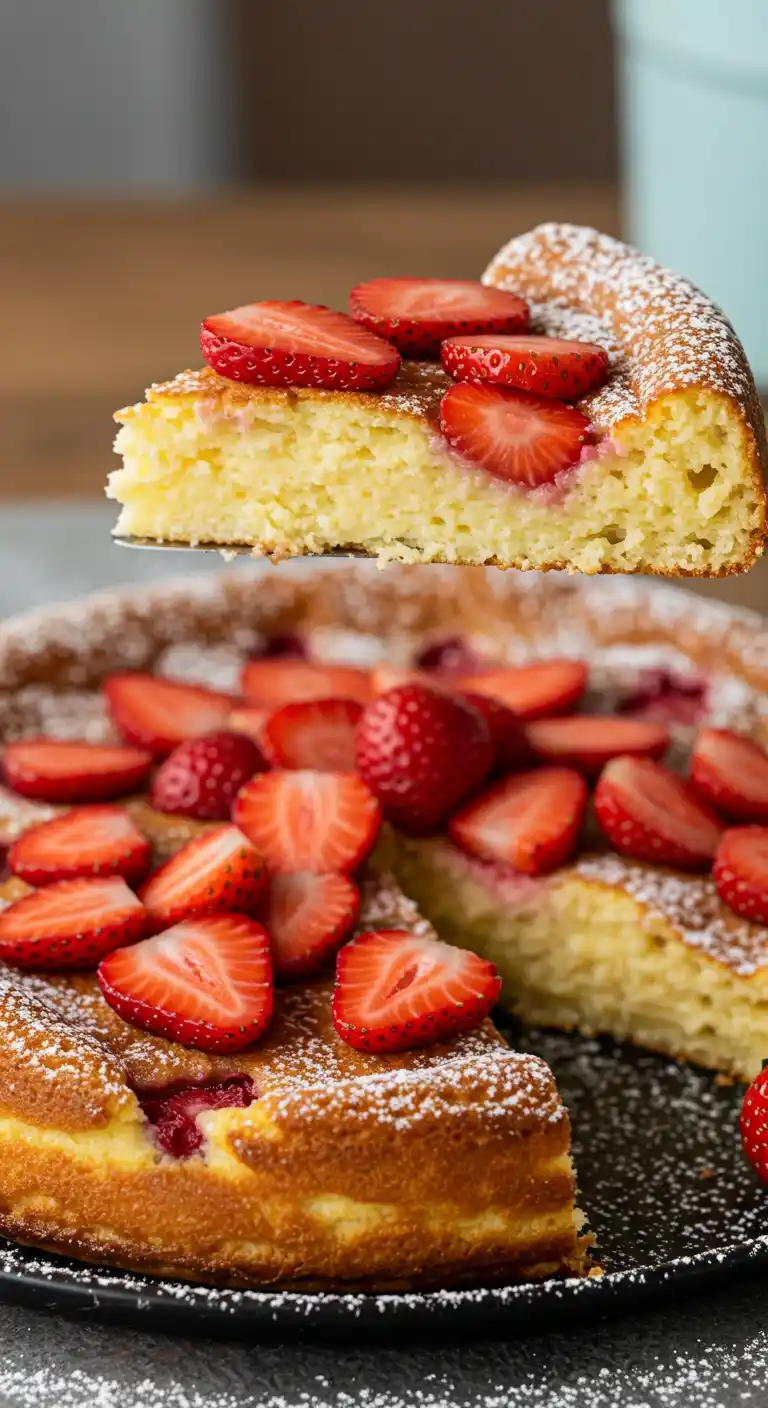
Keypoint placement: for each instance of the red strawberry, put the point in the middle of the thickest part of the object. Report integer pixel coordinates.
(297, 344)
(416, 314)
(753, 1124)
(318, 734)
(452, 656)
(306, 820)
(535, 691)
(202, 777)
(731, 772)
(651, 814)
(422, 751)
(530, 821)
(548, 366)
(395, 990)
(248, 721)
(206, 983)
(307, 918)
(57, 771)
(666, 698)
(175, 1116)
(87, 841)
(589, 741)
(741, 871)
(519, 439)
(286, 646)
(71, 924)
(218, 871)
(157, 714)
(271, 683)
(510, 744)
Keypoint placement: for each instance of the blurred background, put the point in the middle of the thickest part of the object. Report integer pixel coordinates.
(162, 159)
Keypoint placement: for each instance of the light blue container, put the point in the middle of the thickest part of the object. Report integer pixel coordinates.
(693, 82)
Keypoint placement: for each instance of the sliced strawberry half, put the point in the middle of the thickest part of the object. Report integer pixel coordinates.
(536, 691)
(546, 366)
(268, 684)
(530, 821)
(71, 924)
(318, 734)
(741, 871)
(416, 314)
(202, 777)
(156, 714)
(753, 1124)
(396, 990)
(521, 439)
(57, 771)
(206, 983)
(217, 872)
(731, 772)
(385, 677)
(297, 344)
(307, 820)
(85, 842)
(248, 721)
(307, 918)
(588, 741)
(650, 814)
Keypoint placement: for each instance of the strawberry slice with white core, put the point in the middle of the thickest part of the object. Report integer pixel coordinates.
(268, 684)
(85, 842)
(530, 821)
(156, 714)
(547, 366)
(297, 344)
(217, 872)
(57, 771)
(536, 691)
(206, 983)
(308, 820)
(650, 814)
(317, 734)
(248, 721)
(588, 741)
(71, 924)
(731, 772)
(740, 872)
(416, 314)
(524, 440)
(307, 918)
(396, 990)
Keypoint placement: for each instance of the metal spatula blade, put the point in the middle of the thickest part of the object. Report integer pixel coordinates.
(224, 549)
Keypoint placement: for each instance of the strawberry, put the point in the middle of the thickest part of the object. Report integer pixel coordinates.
(395, 990)
(422, 751)
(71, 924)
(731, 772)
(416, 314)
(206, 983)
(297, 344)
(650, 814)
(87, 841)
(286, 646)
(548, 366)
(202, 777)
(247, 721)
(588, 741)
(56, 771)
(741, 871)
(520, 439)
(753, 1124)
(530, 821)
(175, 1116)
(317, 734)
(307, 820)
(452, 656)
(666, 698)
(156, 714)
(218, 871)
(510, 745)
(385, 677)
(268, 684)
(535, 691)
(307, 918)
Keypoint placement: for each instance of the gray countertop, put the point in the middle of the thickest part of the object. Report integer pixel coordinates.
(711, 1352)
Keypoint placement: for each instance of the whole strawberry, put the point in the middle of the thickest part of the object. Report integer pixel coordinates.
(422, 752)
(753, 1124)
(202, 777)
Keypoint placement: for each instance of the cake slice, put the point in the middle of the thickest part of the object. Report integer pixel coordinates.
(659, 469)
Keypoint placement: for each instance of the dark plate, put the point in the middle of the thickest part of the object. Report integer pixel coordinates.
(662, 1179)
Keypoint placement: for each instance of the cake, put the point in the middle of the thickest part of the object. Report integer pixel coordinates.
(276, 1163)
(658, 469)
